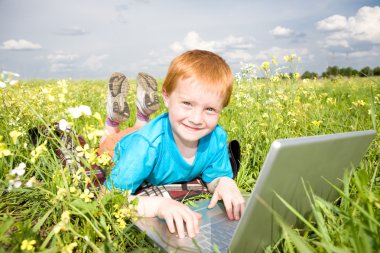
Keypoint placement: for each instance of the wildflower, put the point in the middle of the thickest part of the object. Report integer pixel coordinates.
(63, 125)
(51, 98)
(359, 103)
(19, 170)
(83, 151)
(274, 60)
(69, 248)
(2, 84)
(65, 217)
(3, 149)
(72, 189)
(87, 195)
(265, 66)
(289, 58)
(14, 135)
(32, 181)
(97, 116)
(61, 98)
(37, 151)
(61, 193)
(76, 112)
(59, 227)
(316, 123)
(296, 75)
(28, 245)
(104, 159)
(14, 183)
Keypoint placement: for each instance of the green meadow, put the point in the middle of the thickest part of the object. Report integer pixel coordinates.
(45, 207)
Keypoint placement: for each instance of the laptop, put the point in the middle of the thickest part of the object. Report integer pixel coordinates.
(291, 166)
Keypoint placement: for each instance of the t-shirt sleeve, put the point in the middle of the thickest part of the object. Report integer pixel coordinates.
(220, 166)
(134, 160)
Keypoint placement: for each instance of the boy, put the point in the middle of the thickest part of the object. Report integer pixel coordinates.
(177, 146)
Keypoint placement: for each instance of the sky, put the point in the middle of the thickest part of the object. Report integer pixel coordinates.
(90, 39)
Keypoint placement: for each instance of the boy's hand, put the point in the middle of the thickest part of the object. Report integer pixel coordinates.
(227, 190)
(176, 214)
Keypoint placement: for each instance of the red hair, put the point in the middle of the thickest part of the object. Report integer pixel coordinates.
(206, 67)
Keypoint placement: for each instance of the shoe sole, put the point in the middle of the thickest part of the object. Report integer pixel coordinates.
(149, 85)
(117, 107)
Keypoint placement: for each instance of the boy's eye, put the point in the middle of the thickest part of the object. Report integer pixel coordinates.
(210, 109)
(186, 103)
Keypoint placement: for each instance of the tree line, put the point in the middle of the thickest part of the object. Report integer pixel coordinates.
(333, 71)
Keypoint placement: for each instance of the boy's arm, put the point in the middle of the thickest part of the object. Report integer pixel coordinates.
(174, 213)
(225, 188)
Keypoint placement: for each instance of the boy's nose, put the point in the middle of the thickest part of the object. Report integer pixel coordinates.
(196, 117)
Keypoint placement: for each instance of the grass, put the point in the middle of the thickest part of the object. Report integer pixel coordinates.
(52, 215)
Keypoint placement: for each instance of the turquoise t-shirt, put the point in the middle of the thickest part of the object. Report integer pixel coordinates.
(150, 154)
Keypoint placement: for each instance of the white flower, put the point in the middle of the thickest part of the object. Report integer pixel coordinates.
(14, 183)
(86, 110)
(13, 82)
(63, 124)
(19, 170)
(31, 182)
(3, 85)
(76, 112)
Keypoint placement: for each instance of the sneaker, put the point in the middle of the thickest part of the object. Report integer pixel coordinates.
(117, 107)
(146, 97)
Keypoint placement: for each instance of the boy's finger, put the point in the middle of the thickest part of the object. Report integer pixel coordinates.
(180, 227)
(170, 224)
(214, 200)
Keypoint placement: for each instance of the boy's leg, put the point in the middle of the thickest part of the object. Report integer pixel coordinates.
(147, 103)
(117, 107)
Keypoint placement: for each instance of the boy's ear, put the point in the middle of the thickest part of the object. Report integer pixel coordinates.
(165, 97)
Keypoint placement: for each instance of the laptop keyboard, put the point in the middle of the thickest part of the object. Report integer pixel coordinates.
(219, 233)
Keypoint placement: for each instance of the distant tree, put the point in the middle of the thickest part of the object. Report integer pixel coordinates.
(309, 75)
(366, 71)
(346, 71)
(332, 71)
(376, 71)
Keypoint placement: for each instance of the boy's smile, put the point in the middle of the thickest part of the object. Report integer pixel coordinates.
(193, 112)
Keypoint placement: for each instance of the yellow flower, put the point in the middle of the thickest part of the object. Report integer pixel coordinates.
(359, 103)
(104, 159)
(83, 152)
(69, 248)
(28, 245)
(65, 217)
(265, 66)
(3, 150)
(37, 151)
(274, 60)
(61, 193)
(316, 123)
(87, 195)
(14, 135)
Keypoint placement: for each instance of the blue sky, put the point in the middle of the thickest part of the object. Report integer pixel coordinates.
(89, 39)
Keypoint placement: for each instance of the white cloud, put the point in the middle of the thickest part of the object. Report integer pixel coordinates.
(72, 31)
(233, 48)
(194, 41)
(280, 31)
(94, 62)
(335, 22)
(238, 56)
(61, 56)
(373, 52)
(364, 26)
(61, 61)
(20, 45)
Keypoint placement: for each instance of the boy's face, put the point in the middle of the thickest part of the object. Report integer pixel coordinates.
(193, 111)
